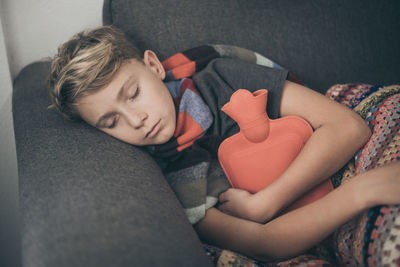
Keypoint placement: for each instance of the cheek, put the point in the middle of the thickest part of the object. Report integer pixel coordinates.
(168, 102)
(160, 101)
(122, 134)
(169, 112)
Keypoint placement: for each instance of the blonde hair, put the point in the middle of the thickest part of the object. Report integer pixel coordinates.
(85, 64)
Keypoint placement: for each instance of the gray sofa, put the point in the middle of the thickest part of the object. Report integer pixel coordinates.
(87, 199)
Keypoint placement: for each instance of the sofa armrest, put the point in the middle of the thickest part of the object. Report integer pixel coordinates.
(87, 199)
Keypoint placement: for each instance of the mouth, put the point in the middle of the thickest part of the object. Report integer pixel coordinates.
(154, 130)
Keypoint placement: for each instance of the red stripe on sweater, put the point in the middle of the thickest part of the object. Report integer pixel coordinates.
(187, 131)
(175, 61)
(185, 70)
(188, 84)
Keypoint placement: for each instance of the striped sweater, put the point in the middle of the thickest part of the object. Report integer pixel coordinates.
(189, 159)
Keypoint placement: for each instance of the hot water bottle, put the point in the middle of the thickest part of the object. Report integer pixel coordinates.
(263, 149)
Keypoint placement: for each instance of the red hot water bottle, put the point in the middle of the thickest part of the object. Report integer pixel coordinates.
(263, 149)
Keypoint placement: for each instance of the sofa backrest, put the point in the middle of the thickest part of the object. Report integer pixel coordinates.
(322, 42)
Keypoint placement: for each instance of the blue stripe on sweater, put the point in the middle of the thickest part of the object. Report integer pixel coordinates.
(174, 88)
(193, 104)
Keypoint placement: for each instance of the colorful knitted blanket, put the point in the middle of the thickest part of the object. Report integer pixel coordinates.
(372, 238)
(189, 160)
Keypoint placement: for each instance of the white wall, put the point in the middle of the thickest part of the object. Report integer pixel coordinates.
(9, 230)
(35, 28)
(30, 30)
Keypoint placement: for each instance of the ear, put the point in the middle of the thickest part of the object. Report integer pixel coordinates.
(151, 61)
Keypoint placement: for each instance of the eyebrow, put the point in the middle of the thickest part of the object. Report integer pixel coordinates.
(131, 79)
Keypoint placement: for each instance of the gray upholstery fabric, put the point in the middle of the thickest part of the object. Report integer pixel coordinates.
(321, 41)
(87, 199)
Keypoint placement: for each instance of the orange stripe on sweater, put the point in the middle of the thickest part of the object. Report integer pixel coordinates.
(184, 71)
(175, 61)
(182, 147)
(187, 131)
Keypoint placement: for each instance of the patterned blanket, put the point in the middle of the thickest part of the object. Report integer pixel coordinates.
(373, 237)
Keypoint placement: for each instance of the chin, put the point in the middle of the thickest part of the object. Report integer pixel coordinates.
(165, 138)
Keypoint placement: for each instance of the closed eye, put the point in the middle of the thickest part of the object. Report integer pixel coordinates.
(135, 94)
(113, 123)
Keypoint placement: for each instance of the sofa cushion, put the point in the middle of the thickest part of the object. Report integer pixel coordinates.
(321, 42)
(87, 199)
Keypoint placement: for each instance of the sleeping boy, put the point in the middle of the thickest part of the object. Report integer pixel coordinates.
(100, 77)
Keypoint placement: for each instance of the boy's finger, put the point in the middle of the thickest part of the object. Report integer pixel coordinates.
(222, 197)
(224, 208)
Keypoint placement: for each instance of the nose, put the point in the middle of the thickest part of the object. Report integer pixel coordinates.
(136, 119)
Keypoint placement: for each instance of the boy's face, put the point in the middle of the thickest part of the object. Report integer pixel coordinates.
(136, 106)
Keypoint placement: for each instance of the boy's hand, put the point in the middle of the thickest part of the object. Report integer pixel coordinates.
(240, 203)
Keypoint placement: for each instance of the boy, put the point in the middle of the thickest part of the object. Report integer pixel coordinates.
(101, 78)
